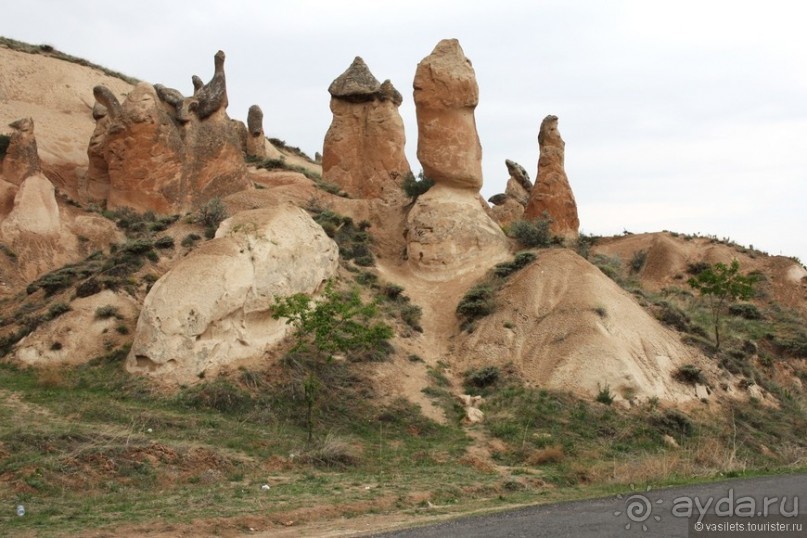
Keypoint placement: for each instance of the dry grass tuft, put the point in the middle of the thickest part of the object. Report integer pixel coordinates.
(550, 454)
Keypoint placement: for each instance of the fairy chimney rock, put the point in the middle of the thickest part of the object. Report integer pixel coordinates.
(22, 159)
(256, 140)
(446, 94)
(164, 152)
(552, 195)
(363, 151)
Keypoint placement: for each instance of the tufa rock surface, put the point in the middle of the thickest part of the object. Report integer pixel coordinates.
(446, 94)
(185, 331)
(35, 209)
(160, 151)
(448, 233)
(552, 193)
(22, 158)
(363, 151)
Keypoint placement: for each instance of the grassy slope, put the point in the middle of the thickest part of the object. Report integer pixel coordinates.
(91, 446)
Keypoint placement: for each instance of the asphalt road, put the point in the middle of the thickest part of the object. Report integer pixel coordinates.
(650, 513)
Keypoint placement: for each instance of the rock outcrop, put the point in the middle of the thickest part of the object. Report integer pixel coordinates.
(185, 331)
(509, 206)
(446, 94)
(22, 158)
(363, 151)
(255, 139)
(448, 231)
(35, 210)
(163, 152)
(552, 195)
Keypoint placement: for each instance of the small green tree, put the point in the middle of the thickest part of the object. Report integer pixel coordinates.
(722, 284)
(338, 323)
(414, 187)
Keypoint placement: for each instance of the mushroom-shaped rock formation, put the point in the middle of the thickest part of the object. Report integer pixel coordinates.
(22, 158)
(446, 94)
(187, 331)
(448, 232)
(363, 151)
(552, 195)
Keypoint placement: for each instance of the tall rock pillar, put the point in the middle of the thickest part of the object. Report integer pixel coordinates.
(552, 195)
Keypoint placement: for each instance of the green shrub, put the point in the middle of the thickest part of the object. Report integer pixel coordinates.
(482, 377)
(532, 234)
(673, 422)
(411, 315)
(220, 395)
(57, 310)
(211, 214)
(477, 303)
(163, 242)
(91, 286)
(190, 240)
(637, 261)
(690, 374)
(521, 260)
(107, 311)
(745, 310)
(414, 187)
(353, 241)
(604, 395)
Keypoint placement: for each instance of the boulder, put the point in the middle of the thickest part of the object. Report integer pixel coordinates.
(552, 195)
(22, 158)
(363, 151)
(185, 331)
(446, 94)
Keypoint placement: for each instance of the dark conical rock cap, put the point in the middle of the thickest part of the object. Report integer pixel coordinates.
(357, 83)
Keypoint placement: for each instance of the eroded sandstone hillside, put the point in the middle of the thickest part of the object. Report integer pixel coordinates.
(107, 189)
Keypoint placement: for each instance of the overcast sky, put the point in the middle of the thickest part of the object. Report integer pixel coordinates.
(682, 115)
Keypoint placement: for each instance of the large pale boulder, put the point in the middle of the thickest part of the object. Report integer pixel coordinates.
(213, 307)
(446, 94)
(363, 151)
(552, 195)
(564, 325)
(22, 158)
(448, 234)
